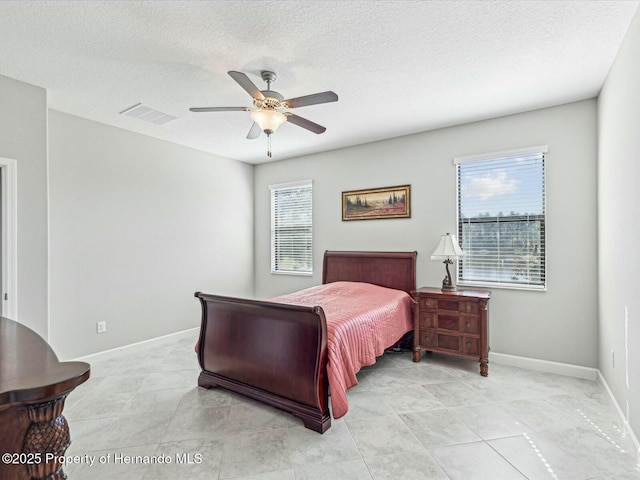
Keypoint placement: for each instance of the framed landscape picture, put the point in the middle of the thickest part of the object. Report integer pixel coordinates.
(387, 202)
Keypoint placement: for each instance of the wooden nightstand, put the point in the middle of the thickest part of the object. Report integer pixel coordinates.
(452, 322)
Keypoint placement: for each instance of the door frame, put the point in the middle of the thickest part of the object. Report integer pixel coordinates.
(9, 293)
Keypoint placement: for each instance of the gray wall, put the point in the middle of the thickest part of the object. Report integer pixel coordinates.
(23, 137)
(557, 325)
(137, 226)
(618, 225)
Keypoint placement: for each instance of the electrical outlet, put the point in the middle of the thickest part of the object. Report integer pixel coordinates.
(613, 358)
(101, 327)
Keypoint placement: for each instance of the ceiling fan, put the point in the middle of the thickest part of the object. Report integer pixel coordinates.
(267, 116)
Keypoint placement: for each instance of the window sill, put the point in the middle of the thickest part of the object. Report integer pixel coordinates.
(503, 286)
(299, 274)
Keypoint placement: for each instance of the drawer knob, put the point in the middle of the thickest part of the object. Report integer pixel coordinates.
(468, 306)
(428, 303)
(468, 324)
(428, 319)
(468, 344)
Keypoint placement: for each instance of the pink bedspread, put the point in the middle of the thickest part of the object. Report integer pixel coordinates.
(362, 320)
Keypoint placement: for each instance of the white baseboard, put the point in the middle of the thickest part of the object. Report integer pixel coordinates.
(124, 347)
(620, 414)
(544, 365)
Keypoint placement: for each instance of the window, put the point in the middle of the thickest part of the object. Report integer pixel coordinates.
(501, 219)
(291, 228)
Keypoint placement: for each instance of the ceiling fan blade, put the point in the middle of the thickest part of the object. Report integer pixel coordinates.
(247, 84)
(220, 109)
(304, 123)
(316, 98)
(254, 132)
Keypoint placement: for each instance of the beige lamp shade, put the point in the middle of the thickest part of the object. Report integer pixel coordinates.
(447, 248)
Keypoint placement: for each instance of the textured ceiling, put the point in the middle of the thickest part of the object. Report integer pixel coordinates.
(398, 67)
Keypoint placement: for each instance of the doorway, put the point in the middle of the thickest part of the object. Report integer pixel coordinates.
(8, 238)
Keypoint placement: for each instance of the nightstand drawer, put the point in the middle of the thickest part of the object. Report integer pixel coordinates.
(449, 342)
(428, 304)
(428, 338)
(448, 322)
(469, 325)
(428, 320)
(468, 307)
(462, 324)
(452, 305)
(469, 346)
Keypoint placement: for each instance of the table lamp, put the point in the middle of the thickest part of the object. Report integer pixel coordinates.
(448, 249)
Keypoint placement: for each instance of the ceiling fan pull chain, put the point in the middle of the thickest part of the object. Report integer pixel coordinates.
(269, 146)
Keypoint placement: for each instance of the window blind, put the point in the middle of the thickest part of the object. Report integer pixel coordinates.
(501, 219)
(291, 228)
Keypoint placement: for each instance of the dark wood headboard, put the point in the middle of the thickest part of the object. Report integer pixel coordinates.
(387, 269)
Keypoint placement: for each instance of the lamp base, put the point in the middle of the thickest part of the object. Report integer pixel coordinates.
(447, 284)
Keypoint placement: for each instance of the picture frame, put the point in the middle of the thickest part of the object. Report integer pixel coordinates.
(377, 203)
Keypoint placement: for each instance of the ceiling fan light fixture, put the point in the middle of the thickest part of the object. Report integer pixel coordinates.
(269, 120)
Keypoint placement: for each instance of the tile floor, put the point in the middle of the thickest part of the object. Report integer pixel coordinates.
(437, 419)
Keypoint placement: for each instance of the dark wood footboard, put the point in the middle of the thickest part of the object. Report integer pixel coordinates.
(274, 353)
(277, 353)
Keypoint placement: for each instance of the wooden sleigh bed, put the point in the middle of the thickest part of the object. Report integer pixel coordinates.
(277, 353)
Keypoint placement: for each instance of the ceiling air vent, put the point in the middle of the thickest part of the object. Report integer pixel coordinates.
(147, 114)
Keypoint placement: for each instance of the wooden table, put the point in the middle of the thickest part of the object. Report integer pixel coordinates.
(452, 322)
(33, 386)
